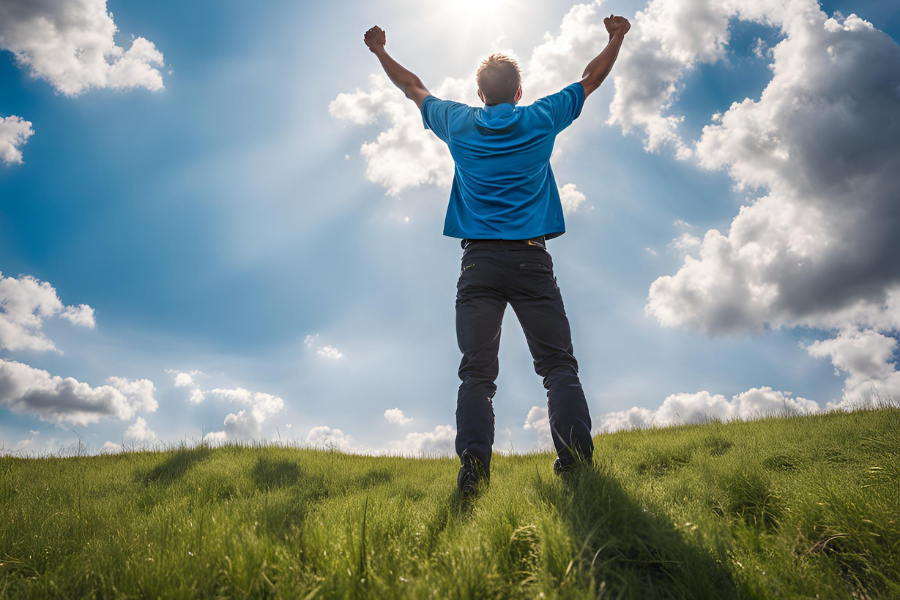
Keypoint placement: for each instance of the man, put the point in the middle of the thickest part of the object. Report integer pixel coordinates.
(504, 205)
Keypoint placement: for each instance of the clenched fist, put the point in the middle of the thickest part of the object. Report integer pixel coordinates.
(375, 38)
(616, 25)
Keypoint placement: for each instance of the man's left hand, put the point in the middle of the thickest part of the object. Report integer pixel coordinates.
(375, 38)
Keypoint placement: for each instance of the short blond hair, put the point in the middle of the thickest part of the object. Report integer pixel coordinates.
(498, 78)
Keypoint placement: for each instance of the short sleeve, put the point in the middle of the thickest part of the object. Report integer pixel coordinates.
(436, 114)
(564, 106)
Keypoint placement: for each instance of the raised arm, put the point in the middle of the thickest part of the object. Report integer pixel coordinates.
(599, 68)
(408, 83)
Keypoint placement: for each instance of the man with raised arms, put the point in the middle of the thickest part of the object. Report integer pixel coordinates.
(504, 206)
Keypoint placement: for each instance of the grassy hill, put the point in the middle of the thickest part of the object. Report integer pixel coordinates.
(802, 507)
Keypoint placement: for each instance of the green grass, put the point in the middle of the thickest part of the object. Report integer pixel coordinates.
(801, 507)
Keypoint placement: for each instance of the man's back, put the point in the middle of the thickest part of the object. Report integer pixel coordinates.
(503, 186)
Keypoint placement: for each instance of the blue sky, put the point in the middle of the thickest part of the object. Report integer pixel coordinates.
(216, 223)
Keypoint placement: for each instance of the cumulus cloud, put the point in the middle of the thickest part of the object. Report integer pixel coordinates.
(686, 408)
(14, 132)
(139, 431)
(70, 43)
(245, 424)
(539, 421)
(570, 197)
(818, 246)
(80, 315)
(396, 416)
(216, 437)
(405, 155)
(25, 303)
(329, 352)
(326, 437)
(311, 342)
(440, 441)
(685, 244)
(110, 447)
(27, 390)
(184, 378)
(819, 249)
(867, 359)
(197, 396)
(139, 392)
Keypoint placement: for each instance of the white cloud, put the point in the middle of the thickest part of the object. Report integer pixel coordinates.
(184, 378)
(681, 224)
(80, 315)
(668, 39)
(539, 420)
(329, 352)
(70, 43)
(245, 424)
(138, 392)
(570, 197)
(651, 251)
(197, 396)
(396, 416)
(440, 441)
(685, 408)
(14, 132)
(311, 342)
(633, 418)
(867, 359)
(405, 155)
(110, 447)
(24, 305)
(819, 249)
(216, 437)
(21, 445)
(760, 48)
(685, 244)
(27, 390)
(326, 437)
(139, 431)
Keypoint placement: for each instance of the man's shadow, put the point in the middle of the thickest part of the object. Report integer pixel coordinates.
(625, 549)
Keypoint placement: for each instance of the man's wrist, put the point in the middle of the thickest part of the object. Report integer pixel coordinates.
(378, 49)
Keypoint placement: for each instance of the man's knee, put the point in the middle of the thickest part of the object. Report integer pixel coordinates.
(563, 371)
(484, 385)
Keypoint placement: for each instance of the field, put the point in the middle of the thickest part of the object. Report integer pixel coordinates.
(793, 507)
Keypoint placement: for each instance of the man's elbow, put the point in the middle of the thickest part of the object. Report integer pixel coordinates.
(590, 83)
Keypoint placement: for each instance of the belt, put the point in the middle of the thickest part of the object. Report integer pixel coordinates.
(539, 241)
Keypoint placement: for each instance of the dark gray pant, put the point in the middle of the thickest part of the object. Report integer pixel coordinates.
(493, 274)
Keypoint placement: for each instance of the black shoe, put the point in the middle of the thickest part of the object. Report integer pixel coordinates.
(470, 473)
(561, 469)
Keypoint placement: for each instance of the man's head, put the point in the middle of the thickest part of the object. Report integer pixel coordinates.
(499, 80)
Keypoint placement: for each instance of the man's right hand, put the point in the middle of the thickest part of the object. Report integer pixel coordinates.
(375, 38)
(616, 25)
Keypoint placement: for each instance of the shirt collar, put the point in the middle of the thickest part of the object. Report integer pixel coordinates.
(504, 108)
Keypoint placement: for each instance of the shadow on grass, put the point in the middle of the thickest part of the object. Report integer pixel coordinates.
(373, 478)
(267, 473)
(625, 548)
(173, 468)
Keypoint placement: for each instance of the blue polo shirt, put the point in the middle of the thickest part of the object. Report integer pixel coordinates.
(503, 186)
